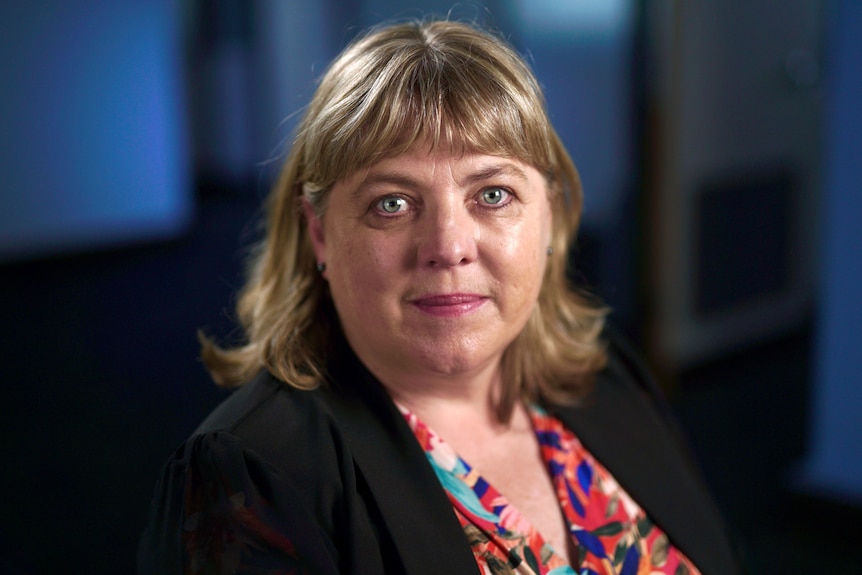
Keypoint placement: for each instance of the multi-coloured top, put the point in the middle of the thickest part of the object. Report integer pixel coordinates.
(612, 534)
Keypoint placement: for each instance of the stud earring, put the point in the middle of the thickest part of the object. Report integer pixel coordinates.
(550, 250)
(321, 267)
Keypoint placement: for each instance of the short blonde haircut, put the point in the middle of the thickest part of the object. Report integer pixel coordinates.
(442, 82)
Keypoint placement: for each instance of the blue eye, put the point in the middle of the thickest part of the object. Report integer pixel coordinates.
(392, 205)
(494, 196)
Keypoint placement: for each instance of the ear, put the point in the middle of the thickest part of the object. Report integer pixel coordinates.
(549, 224)
(315, 230)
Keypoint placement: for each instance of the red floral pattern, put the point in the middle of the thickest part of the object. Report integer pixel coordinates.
(612, 534)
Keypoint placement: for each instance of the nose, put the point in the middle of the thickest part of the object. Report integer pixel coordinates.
(448, 236)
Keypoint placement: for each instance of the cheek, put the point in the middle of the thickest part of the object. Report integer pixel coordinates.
(530, 239)
(520, 257)
(361, 262)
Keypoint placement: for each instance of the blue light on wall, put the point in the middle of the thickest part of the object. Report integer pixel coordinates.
(590, 17)
(93, 145)
(834, 464)
(582, 52)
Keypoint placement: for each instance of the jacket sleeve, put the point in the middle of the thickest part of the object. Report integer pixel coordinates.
(219, 508)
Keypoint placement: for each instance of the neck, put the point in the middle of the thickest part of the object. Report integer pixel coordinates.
(471, 427)
(435, 398)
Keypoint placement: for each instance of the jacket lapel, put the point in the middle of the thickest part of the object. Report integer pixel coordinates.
(622, 427)
(413, 505)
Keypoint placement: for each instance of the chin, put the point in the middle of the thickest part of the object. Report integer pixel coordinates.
(448, 362)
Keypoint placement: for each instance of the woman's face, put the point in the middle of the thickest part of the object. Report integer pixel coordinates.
(434, 260)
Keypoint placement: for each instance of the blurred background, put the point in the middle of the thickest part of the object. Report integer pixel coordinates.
(719, 145)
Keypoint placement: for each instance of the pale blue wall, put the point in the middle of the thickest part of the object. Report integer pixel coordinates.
(92, 130)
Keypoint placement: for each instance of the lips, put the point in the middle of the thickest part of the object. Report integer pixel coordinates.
(449, 305)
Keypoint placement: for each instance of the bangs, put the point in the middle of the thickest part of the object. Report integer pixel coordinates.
(417, 94)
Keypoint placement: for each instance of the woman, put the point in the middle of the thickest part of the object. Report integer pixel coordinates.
(421, 390)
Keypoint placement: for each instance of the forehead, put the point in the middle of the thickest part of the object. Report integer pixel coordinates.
(423, 163)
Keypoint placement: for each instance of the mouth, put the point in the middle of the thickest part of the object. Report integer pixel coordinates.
(449, 305)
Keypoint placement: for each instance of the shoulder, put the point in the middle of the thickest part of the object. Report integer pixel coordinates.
(264, 400)
(289, 430)
(628, 378)
(627, 402)
(267, 471)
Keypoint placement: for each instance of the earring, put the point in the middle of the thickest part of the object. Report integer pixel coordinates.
(550, 250)
(321, 267)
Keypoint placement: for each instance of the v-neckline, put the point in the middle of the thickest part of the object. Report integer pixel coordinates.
(489, 517)
(480, 503)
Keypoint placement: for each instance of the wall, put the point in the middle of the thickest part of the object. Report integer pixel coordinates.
(834, 465)
(93, 148)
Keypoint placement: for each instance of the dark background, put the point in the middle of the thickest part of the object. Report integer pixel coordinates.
(101, 379)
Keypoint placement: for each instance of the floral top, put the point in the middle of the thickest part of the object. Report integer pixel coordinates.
(612, 534)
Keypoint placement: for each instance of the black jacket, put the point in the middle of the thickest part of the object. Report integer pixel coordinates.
(333, 481)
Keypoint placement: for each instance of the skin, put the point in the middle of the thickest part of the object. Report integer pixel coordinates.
(435, 261)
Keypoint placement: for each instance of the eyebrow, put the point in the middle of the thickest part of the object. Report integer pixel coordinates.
(494, 171)
(408, 181)
(396, 178)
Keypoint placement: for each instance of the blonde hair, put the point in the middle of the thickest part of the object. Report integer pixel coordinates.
(443, 82)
